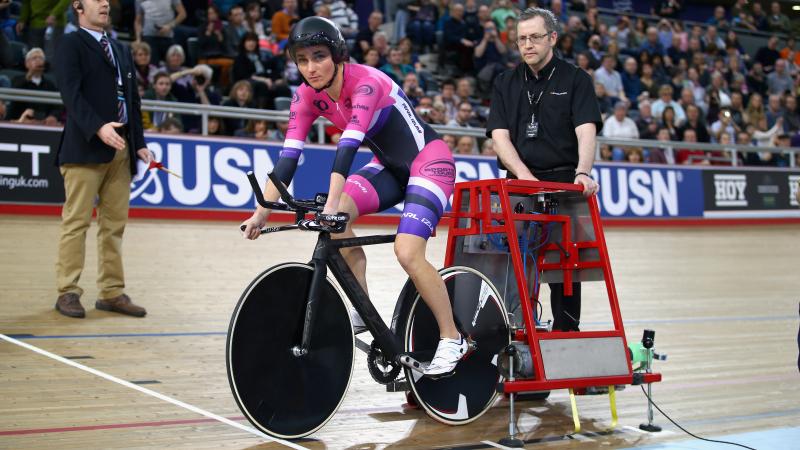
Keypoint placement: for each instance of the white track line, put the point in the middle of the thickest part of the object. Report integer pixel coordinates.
(155, 394)
(660, 433)
(496, 445)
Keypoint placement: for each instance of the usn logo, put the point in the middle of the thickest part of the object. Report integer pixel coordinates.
(729, 189)
(442, 169)
(639, 192)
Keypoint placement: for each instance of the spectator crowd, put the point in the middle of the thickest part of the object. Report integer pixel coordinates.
(657, 77)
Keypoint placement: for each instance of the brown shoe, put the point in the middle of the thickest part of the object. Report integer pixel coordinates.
(122, 305)
(69, 304)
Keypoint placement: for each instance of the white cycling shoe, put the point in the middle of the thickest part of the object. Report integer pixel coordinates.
(448, 353)
(358, 323)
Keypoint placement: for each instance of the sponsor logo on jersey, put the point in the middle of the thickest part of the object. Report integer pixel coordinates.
(441, 169)
(296, 98)
(358, 184)
(321, 105)
(411, 117)
(424, 220)
(364, 89)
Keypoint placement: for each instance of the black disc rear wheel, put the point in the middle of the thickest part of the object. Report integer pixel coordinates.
(281, 394)
(480, 314)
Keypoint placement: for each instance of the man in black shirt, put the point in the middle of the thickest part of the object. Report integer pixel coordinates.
(769, 54)
(364, 37)
(544, 122)
(694, 121)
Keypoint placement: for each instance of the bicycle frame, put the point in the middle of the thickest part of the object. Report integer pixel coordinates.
(262, 353)
(327, 254)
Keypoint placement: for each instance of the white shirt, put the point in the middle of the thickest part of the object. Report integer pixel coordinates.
(626, 129)
(97, 35)
(612, 81)
(718, 127)
(658, 109)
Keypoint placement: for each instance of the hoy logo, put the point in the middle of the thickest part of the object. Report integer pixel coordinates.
(793, 188)
(730, 190)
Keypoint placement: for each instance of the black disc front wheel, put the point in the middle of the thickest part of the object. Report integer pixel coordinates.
(479, 313)
(282, 394)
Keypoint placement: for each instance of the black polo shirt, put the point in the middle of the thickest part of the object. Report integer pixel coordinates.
(568, 100)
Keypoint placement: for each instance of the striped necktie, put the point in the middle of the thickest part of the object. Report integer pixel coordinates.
(120, 99)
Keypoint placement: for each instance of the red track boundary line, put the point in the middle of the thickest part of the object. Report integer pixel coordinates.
(162, 423)
(386, 219)
(111, 426)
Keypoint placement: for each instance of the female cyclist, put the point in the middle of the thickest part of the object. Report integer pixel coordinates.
(410, 164)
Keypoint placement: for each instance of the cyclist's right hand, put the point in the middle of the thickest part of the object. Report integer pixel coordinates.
(253, 225)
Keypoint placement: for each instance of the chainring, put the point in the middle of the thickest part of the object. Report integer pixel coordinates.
(381, 370)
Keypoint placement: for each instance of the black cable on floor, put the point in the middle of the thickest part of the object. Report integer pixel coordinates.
(687, 431)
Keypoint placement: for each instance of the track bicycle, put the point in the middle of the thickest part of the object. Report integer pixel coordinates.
(290, 346)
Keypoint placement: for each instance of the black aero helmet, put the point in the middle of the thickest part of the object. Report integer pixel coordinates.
(316, 30)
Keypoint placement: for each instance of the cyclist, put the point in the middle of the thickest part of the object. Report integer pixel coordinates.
(410, 164)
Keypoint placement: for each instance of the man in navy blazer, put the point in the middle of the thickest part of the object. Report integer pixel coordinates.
(97, 156)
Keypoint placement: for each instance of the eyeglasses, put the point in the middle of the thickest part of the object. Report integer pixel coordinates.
(533, 38)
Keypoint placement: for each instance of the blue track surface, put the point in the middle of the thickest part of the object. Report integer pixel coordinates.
(776, 439)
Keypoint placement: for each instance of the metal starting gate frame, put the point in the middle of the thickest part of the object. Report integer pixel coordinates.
(521, 234)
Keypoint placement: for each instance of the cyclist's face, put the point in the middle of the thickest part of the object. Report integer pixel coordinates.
(315, 64)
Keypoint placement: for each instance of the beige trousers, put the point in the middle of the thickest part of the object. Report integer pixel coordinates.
(108, 187)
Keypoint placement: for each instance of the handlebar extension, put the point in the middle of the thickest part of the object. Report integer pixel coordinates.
(332, 223)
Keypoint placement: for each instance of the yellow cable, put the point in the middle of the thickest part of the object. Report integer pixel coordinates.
(612, 397)
(575, 418)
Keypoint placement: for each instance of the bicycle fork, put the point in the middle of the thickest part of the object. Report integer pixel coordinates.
(318, 278)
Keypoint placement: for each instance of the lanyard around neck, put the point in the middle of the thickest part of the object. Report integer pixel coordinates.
(539, 97)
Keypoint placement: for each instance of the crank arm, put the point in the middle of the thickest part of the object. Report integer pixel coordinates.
(361, 345)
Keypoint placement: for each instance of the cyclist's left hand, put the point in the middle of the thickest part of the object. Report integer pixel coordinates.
(328, 210)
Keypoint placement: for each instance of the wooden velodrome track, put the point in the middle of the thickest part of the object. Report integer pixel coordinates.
(723, 302)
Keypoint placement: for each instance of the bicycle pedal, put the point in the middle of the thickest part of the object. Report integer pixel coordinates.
(413, 364)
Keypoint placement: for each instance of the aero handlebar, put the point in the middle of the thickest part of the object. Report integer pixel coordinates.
(332, 223)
